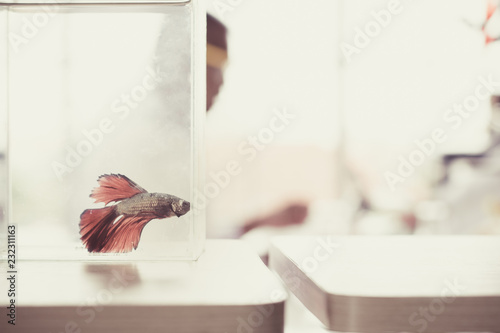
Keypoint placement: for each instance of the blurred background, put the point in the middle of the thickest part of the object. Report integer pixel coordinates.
(369, 84)
(349, 117)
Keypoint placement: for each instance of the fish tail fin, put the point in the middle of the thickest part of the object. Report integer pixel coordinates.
(95, 225)
(103, 230)
(115, 187)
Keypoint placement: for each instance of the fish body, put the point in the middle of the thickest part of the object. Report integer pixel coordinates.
(155, 205)
(117, 227)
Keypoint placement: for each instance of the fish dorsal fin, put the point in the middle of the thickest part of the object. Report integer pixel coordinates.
(115, 187)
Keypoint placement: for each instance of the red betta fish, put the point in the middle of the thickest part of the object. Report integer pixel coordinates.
(117, 228)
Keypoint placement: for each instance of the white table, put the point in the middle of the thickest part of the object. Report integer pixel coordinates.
(228, 289)
(392, 283)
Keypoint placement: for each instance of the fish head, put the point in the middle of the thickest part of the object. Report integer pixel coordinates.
(180, 207)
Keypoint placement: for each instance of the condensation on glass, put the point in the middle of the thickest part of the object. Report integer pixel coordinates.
(89, 88)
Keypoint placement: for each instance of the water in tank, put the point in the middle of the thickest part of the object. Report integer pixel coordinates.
(101, 117)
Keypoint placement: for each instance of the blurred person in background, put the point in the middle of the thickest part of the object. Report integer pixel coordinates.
(217, 57)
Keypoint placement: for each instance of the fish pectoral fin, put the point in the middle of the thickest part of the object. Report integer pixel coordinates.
(115, 187)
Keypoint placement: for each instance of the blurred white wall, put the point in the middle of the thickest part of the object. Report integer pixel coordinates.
(399, 88)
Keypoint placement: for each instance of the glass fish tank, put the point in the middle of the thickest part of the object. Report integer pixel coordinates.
(102, 105)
